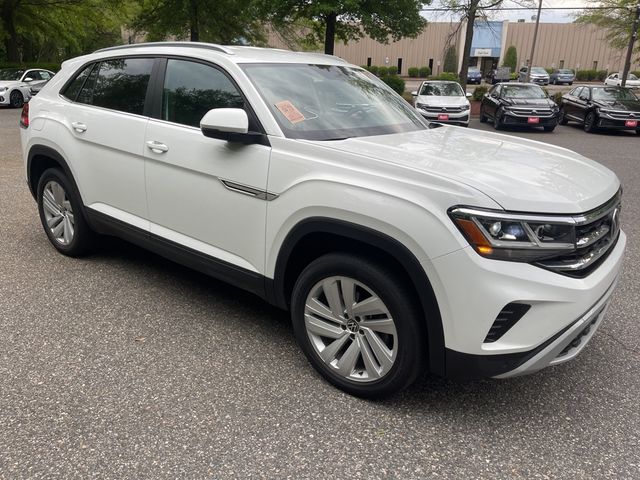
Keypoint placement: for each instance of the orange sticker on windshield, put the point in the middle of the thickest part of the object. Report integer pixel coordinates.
(290, 112)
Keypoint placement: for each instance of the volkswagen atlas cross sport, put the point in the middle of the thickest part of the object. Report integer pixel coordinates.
(398, 246)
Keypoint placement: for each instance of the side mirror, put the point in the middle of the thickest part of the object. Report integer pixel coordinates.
(414, 93)
(28, 80)
(468, 95)
(230, 124)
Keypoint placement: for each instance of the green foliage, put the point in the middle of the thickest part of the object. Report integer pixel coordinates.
(395, 82)
(54, 67)
(450, 63)
(374, 69)
(425, 72)
(616, 18)
(479, 92)
(591, 75)
(392, 70)
(382, 71)
(222, 21)
(511, 58)
(381, 20)
(449, 76)
(549, 70)
(636, 73)
(557, 97)
(414, 72)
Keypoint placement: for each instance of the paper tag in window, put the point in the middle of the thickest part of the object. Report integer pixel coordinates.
(290, 112)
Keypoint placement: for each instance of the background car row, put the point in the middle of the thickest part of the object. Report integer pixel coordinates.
(17, 86)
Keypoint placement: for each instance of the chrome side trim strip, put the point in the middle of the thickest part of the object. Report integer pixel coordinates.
(248, 190)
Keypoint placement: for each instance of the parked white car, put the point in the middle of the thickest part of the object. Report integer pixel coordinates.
(442, 102)
(615, 79)
(538, 75)
(15, 83)
(397, 247)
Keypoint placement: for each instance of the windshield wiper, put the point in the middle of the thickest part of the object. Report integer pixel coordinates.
(335, 138)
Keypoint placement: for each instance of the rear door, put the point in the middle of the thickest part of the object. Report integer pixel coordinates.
(206, 194)
(105, 123)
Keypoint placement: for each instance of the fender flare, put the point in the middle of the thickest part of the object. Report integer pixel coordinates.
(276, 289)
(44, 151)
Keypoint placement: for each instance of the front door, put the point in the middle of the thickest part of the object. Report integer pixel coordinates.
(199, 188)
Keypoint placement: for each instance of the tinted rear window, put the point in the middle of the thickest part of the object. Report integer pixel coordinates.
(71, 92)
(122, 84)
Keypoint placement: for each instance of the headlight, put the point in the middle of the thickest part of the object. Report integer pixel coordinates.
(3, 89)
(465, 107)
(515, 237)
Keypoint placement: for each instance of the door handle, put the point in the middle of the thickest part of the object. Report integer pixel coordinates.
(157, 147)
(79, 127)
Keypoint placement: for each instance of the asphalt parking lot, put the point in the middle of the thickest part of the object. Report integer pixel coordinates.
(124, 365)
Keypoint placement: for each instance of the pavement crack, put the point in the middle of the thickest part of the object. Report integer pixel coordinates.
(622, 344)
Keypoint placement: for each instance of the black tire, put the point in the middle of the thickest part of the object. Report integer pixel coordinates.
(549, 128)
(410, 360)
(562, 119)
(82, 238)
(570, 83)
(16, 100)
(483, 117)
(638, 131)
(590, 122)
(497, 120)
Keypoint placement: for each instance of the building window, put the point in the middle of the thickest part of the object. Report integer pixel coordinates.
(368, 61)
(561, 64)
(595, 65)
(399, 66)
(431, 64)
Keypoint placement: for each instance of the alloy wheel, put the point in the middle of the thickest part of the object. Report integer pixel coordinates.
(16, 99)
(351, 329)
(58, 212)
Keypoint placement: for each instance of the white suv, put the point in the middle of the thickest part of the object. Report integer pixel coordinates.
(396, 246)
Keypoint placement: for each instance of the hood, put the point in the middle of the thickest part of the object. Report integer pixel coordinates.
(628, 105)
(520, 175)
(441, 101)
(540, 102)
(9, 83)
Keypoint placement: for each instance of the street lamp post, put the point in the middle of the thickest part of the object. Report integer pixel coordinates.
(533, 45)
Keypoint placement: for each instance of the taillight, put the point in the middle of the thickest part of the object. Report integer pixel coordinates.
(24, 117)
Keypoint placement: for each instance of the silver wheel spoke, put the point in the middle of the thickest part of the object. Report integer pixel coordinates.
(384, 325)
(58, 214)
(347, 363)
(370, 363)
(323, 328)
(380, 350)
(53, 221)
(332, 293)
(330, 351)
(49, 203)
(58, 193)
(348, 288)
(314, 306)
(58, 230)
(71, 218)
(370, 306)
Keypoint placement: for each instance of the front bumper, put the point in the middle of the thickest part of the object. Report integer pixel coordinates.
(511, 118)
(459, 118)
(472, 291)
(618, 120)
(540, 81)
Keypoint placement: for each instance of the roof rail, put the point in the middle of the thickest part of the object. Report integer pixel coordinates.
(208, 46)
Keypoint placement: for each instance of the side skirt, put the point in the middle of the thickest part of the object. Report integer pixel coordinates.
(211, 266)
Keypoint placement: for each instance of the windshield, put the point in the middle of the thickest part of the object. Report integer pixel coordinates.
(613, 93)
(565, 71)
(539, 70)
(10, 74)
(631, 76)
(330, 102)
(524, 91)
(442, 89)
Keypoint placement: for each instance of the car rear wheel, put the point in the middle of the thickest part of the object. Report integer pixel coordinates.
(590, 122)
(358, 326)
(61, 214)
(16, 99)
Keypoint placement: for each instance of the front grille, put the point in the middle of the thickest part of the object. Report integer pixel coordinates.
(543, 112)
(595, 234)
(426, 108)
(624, 115)
(506, 319)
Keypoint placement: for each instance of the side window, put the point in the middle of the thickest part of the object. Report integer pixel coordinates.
(498, 91)
(71, 92)
(33, 74)
(192, 89)
(45, 75)
(86, 94)
(122, 84)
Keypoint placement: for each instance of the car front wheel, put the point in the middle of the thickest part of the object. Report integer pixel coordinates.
(497, 120)
(358, 326)
(16, 99)
(61, 214)
(590, 122)
(562, 119)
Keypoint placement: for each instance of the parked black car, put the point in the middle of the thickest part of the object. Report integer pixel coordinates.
(520, 104)
(598, 107)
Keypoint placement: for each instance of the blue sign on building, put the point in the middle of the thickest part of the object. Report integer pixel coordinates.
(487, 39)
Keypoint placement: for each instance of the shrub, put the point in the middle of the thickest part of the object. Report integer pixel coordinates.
(557, 97)
(392, 70)
(382, 71)
(373, 69)
(54, 67)
(395, 82)
(425, 72)
(413, 72)
(636, 73)
(511, 58)
(450, 63)
(479, 92)
(364, 67)
(549, 70)
(601, 75)
(514, 76)
(587, 75)
(447, 76)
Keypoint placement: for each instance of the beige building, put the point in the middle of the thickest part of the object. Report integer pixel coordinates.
(560, 45)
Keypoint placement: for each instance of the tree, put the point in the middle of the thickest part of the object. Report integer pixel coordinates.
(469, 11)
(48, 29)
(220, 21)
(450, 63)
(616, 19)
(349, 19)
(511, 58)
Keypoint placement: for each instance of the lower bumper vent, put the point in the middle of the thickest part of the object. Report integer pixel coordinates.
(506, 319)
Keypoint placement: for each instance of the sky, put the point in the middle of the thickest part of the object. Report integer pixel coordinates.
(550, 16)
